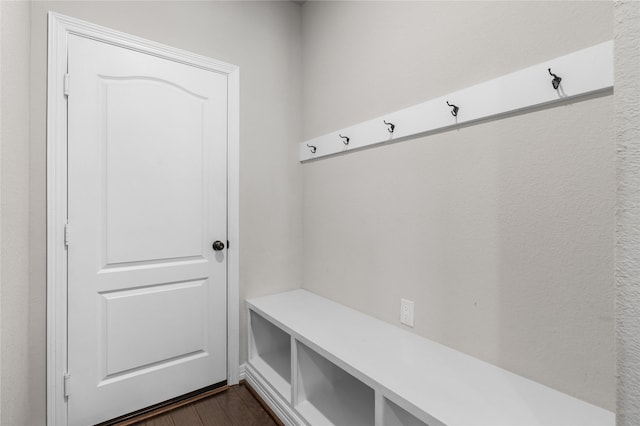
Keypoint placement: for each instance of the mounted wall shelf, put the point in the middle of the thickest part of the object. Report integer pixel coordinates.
(577, 74)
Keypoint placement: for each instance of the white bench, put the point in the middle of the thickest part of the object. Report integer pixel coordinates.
(317, 362)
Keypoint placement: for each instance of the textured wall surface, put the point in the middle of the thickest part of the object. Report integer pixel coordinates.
(263, 38)
(0, 216)
(627, 125)
(502, 233)
(14, 281)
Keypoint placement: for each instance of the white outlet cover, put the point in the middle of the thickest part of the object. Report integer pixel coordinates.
(406, 312)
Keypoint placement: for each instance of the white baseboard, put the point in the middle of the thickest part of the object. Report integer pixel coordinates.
(280, 407)
(242, 374)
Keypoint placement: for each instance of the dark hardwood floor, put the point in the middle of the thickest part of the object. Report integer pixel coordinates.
(235, 407)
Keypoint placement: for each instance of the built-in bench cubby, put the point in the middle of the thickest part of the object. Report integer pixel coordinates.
(316, 362)
(270, 350)
(393, 414)
(329, 395)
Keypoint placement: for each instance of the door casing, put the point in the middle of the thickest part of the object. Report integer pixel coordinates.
(60, 27)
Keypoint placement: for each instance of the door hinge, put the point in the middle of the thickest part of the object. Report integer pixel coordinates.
(67, 232)
(65, 86)
(66, 378)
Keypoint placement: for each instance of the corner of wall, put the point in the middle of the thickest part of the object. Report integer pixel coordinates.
(627, 300)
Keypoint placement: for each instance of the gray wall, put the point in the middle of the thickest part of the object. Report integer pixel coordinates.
(14, 226)
(502, 233)
(627, 113)
(263, 38)
(0, 213)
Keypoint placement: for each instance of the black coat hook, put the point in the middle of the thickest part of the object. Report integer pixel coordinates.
(313, 148)
(556, 80)
(392, 126)
(455, 109)
(346, 139)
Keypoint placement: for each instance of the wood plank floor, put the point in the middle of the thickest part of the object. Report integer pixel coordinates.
(234, 407)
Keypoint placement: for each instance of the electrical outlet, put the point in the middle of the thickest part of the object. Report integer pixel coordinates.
(406, 312)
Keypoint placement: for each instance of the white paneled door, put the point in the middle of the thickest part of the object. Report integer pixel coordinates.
(147, 200)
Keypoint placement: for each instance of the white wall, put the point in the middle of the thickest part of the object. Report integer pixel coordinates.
(263, 38)
(627, 113)
(502, 233)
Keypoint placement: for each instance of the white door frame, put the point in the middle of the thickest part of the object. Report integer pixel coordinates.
(59, 28)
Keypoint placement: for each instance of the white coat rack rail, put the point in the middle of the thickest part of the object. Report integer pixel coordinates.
(577, 74)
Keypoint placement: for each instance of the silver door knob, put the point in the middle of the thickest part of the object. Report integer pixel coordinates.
(218, 245)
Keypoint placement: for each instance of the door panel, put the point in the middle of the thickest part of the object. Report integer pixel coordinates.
(147, 197)
(133, 341)
(143, 116)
